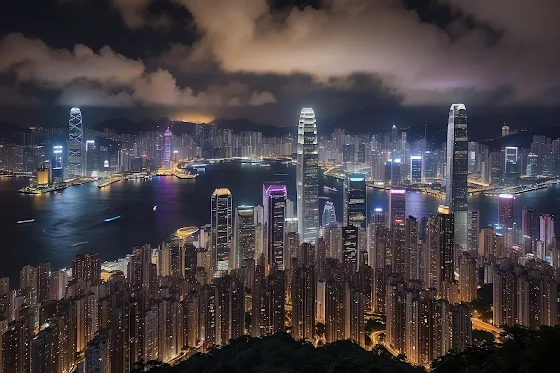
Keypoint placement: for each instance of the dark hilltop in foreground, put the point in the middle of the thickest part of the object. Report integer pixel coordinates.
(520, 351)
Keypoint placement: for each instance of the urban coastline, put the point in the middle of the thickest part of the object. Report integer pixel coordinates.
(414, 287)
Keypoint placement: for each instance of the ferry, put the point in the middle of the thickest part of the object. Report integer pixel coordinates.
(329, 189)
(80, 243)
(26, 221)
(113, 218)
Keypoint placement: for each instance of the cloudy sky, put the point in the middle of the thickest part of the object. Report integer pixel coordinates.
(265, 59)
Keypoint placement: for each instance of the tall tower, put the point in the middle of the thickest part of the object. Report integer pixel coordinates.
(457, 170)
(446, 255)
(75, 141)
(167, 149)
(355, 201)
(307, 177)
(274, 199)
(221, 230)
(397, 206)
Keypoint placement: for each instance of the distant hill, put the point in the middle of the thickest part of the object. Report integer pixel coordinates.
(122, 125)
(522, 139)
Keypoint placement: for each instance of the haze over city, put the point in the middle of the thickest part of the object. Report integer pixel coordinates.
(227, 186)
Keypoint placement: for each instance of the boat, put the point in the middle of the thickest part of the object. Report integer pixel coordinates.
(80, 243)
(330, 189)
(26, 221)
(182, 175)
(154, 208)
(113, 218)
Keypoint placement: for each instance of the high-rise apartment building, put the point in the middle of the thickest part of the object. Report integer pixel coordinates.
(446, 248)
(416, 166)
(307, 173)
(457, 171)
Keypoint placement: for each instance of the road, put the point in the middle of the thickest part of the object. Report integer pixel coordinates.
(478, 324)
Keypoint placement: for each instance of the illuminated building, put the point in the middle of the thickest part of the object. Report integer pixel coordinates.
(412, 255)
(307, 173)
(546, 229)
(398, 254)
(244, 234)
(429, 166)
(511, 170)
(42, 176)
(397, 205)
(167, 149)
(44, 351)
(221, 214)
(468, 278)
(461, 327)
(356, 322)
(505, 212)
(274, 200)
(473, 229)
(329, 214)
(529, 228)
(98, 354)
(75, 144)
(532, 169)
(334, 311)
(416, 169)
(57, 164)
(87, 267)
(350, 248)
(393, 171)
(395, 308)
(446, 248)
(503, 297)
(457, 170)
(355, 201)
(505, 130)
(303, 301)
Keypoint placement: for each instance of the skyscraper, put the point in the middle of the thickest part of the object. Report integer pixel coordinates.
(244, 234)
(416, 169)
(57, 164)
(274, 199)
(397, 206)
(505, 212)
(446, 256)
(307, 177)
(511, 170)
(75, 141)
(329, 214)
(355, 201)
(532, 169)
(529, 228)
(221, 216)
(167, 149)
(457, 170)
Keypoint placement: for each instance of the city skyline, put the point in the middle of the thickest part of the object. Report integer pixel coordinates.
(279, 185)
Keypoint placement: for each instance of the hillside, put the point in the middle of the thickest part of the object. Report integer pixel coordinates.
(281, 354)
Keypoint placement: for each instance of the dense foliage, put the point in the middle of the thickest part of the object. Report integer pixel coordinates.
(522, 351)
(281, 354)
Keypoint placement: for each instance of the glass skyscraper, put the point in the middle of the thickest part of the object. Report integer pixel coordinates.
(307, 177)
(457, 171)
(221, 226)
(355, 201)
(75, 141)
(274, 199)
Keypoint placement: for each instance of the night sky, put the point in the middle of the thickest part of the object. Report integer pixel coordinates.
(369, 63)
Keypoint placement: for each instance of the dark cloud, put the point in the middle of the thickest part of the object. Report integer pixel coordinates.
(280, 55)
